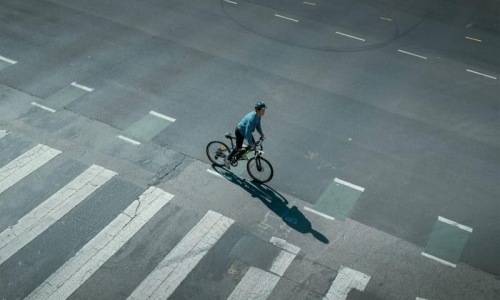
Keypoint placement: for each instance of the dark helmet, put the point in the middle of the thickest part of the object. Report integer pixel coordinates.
(260, 105)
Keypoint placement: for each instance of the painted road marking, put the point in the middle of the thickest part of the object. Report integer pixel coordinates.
(177, 265)
(126, 139)
(7, 60)
(25, 164)
(146, 128)
(215, 173)
(309, 3)
(85, 88)
(285, 257)
(67, 95)
(103, 246)
(3, 133)
(413, 54)
(337, 201)
(473, 39)
(51, 210)
(346, 280)
(337, 180)
(256, 284)
(475, 72)
(350, 36)
(444, 262)
(286, 18)
(453, 223)
(232, 2)
(154, 113)
(386, 19)
(43, 107)
(319, 213)
(447, 241)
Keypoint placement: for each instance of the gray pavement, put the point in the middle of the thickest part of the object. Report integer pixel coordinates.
(396, 101)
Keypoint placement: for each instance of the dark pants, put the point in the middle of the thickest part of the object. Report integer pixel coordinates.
(239, 143)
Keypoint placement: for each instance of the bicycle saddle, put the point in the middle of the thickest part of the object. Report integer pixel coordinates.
(228, 135)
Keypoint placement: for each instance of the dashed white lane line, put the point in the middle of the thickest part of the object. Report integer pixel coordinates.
(51, 210)
(176, 266)
(286, 18)
(309, 3)
(129, 140)
(154, 113)
(8, 60)
(43, 107)
(453, 223)
(356, 187)
(444, 262)
(232, 2)
(85, 88)
(25, 164)
(350, 36)
(473, 39)
(346, 280)
(386, 19)
(319, 213)
(413, 54)
(72, 274)
(475, 72)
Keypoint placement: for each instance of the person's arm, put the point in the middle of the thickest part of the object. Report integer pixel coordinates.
(249, 130)
(259, 128)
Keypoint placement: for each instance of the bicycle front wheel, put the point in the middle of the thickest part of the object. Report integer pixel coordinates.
(260, 169)
(217, 152)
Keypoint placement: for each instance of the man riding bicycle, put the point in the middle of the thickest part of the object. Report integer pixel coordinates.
(245, 128)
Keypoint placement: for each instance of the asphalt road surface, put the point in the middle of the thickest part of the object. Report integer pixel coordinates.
(383, 127)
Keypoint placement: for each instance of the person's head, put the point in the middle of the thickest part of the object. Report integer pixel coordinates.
(260, 108)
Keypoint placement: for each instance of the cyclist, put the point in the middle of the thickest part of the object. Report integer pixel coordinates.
(245, 128)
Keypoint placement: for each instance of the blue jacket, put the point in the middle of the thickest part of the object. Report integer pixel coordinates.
(248, 124)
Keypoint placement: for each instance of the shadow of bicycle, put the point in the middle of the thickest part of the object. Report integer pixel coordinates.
(276, 202)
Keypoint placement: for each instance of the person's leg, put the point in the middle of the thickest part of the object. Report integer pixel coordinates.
(239, 143)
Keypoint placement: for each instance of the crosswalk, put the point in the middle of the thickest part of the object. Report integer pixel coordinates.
(33, 268)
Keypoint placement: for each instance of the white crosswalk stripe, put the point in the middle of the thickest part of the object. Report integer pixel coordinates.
(95, 253)
(51, 210)
(165, 278)
(25, 164)
(3, 133)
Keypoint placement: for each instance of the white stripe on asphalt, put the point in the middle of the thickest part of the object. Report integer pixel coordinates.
(10, 61)
(350, 36)
(3, 133)
(85, 88)
(256, 284)
(481, 74)
(286, 18)
(104, 245)
(412, 54)
(386, 19)
(453, 223)
(51, 210)
(174, 268)
(309, 3)
(285, 257)
(215, 173)
(346, 280)
(473, 39)
(43, 107)
(361, 189)
(232, 2)
(129, 140)
(319, 213)
(444, 262)
(154, 113)
(25, 164)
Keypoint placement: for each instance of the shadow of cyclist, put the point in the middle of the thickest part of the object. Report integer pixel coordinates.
(276, 202)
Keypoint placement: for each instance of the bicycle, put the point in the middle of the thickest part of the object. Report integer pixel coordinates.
(259, 168)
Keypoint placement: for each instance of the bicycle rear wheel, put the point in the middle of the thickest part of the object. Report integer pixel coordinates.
(260, 169)
(217, 152)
